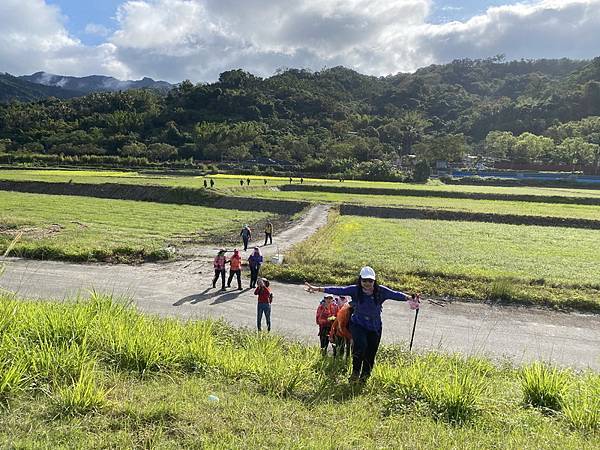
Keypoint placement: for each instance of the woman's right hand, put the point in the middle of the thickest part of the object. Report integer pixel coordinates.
(310, 288)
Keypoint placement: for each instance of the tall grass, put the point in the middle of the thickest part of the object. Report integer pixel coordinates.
(71, 354)
(581, 407)
(82, 396)
(543, 386)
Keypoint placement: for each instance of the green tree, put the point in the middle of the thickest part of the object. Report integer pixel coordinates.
(161, 152)
(499, 144)
(449, 147)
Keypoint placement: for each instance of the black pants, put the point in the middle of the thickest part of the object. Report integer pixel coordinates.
(268, 236)
(238, 274)
(254, 275)
(219, 273)
(341, 345)
(365, 344)
(324, 337)
(245, 239)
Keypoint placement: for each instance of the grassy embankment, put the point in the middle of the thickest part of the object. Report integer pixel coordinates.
(97, 374)
(548, 266)
(232, 181)
(92, 229)
(451, 204)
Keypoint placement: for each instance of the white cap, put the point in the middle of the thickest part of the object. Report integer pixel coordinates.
(367, 272)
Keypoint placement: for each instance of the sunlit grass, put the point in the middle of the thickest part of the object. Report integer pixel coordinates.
(271, 392)
(230, 180)
(451, 204)
(547, 265)
(83, 228)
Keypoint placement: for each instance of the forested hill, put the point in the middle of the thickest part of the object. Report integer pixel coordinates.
(95, 83)
(334, 119)
(16, 89)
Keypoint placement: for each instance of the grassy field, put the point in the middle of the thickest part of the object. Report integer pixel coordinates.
(87, 229)
(544, 265)
(232, 181)
(480, 206)
(99, 375)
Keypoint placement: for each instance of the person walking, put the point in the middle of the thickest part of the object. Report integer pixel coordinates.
(246, 235)
(235, 268)
(205, 184)
(365, 323)
(254, 262)
(268, 233)
(248, 181)
(241, 182)
(265, 298)
(326, 312)
(219, 266)
(212, 183)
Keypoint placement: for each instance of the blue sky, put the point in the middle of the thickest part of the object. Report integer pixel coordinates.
(78, 14)
(175, 40)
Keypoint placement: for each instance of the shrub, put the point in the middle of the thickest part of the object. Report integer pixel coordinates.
(422, 172)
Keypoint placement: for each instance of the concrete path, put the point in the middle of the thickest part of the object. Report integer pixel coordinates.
(183, 289)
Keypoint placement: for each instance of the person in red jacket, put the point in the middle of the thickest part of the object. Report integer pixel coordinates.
(235, 268)
(265, 298)
(325, 316)
(340, 335)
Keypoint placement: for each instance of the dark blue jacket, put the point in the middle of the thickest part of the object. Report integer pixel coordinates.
(367, 308)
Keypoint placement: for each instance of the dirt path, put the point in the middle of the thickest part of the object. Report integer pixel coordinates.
(181, 289)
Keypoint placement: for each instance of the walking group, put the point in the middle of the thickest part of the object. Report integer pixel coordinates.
(255, 260)
(349, 318)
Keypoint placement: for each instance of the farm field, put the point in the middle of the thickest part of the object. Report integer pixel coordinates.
(87, 229)
(98, 374)
(233, 181)
(544, 265)
(479, 206)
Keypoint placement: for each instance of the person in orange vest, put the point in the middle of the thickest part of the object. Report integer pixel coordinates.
(340, 336)
(235, 268)
(325, 316)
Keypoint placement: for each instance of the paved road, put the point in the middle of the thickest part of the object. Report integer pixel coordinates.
(181, 289)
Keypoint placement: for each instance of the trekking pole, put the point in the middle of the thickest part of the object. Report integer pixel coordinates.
(413, 331)
(412, 337)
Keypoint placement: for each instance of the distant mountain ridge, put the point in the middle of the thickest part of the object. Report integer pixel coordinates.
(94, 83)
(16, 89)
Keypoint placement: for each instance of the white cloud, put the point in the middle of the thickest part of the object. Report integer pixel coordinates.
(545, 29)
(198, 39)
(34, 38)
(97, 30)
